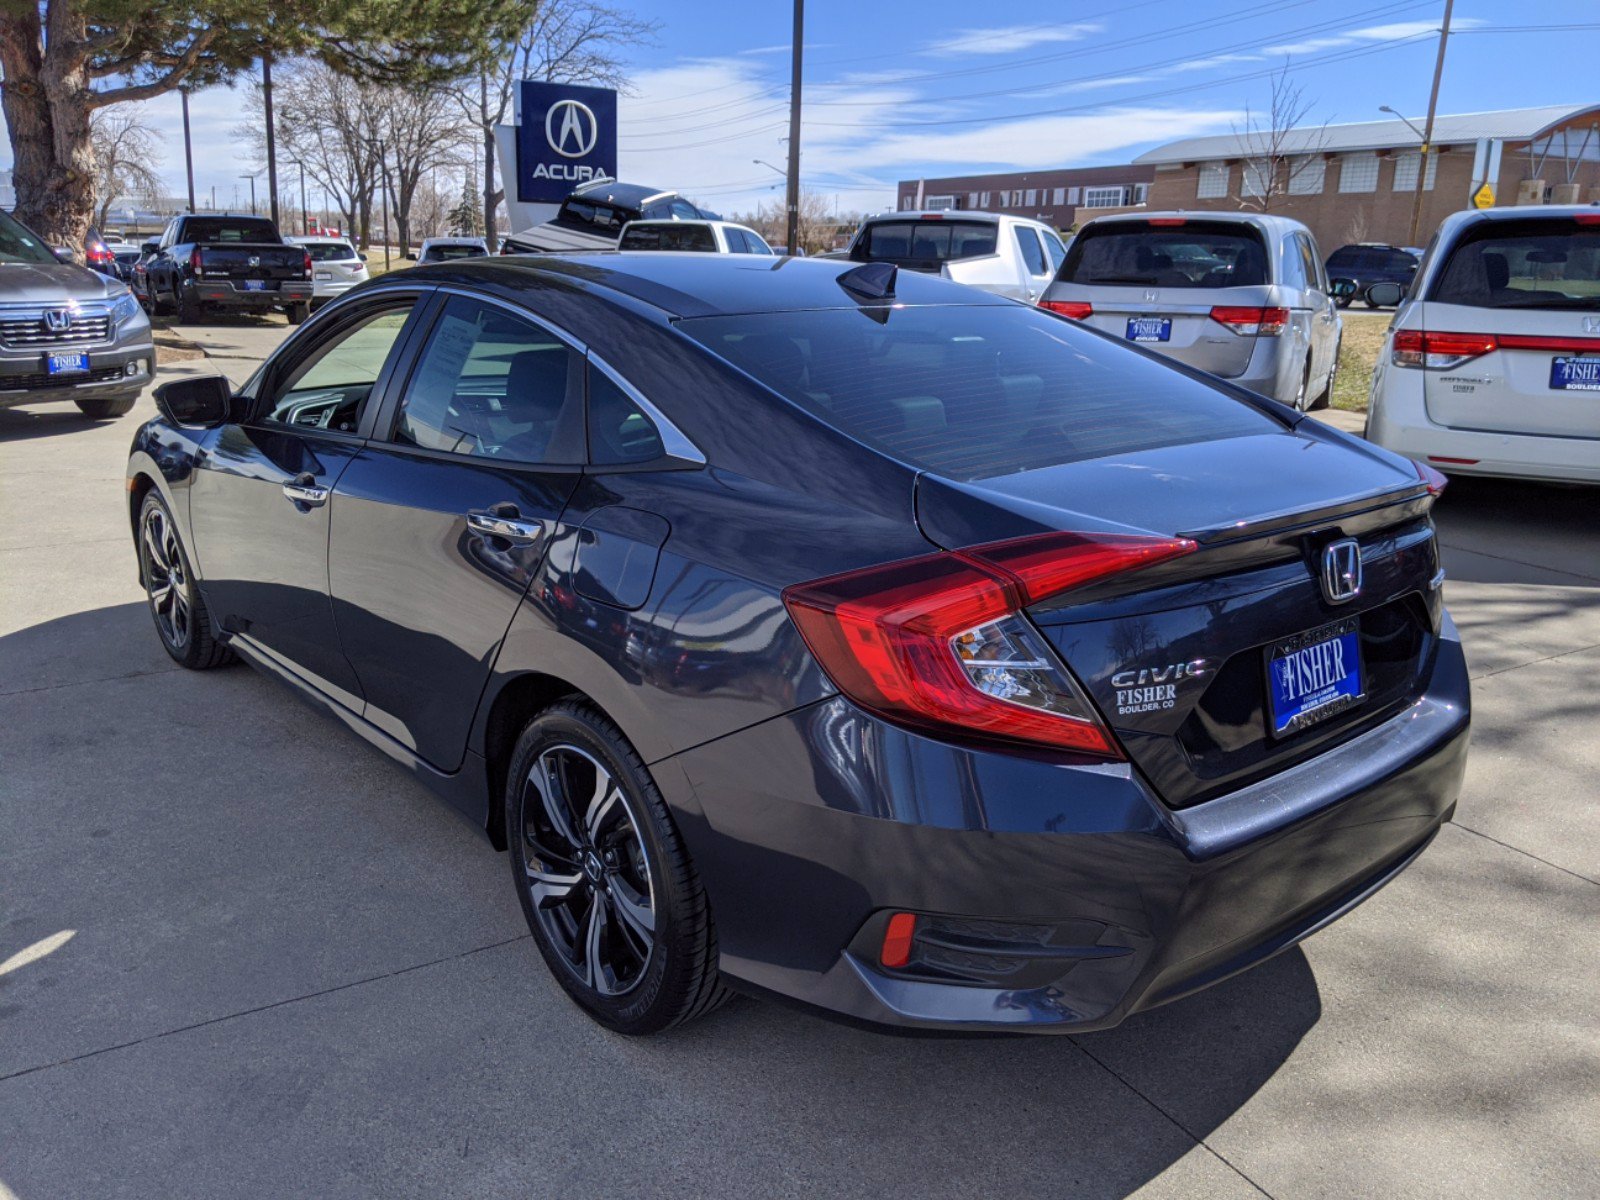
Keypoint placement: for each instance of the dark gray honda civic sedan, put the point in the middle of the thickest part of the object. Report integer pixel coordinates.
(809, 629)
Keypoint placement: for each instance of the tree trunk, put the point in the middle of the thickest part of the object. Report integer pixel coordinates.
(490, 234)
(47, 117)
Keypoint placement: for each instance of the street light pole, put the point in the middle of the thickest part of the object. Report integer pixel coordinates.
(272, 140)
(1427, 132)
(792, 194)
(188, 146)
(252, 180)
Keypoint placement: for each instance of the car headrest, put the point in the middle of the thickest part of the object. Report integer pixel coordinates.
(536, 384)
(1496, 270)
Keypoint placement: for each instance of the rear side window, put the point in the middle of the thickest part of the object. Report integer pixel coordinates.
(1538, 263)
(924, 245)
(619, 431)
(1187, 254)
(975, 391)
(669, 235)
(1032, 254)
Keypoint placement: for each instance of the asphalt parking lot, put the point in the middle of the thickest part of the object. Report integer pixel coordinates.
(241, 954)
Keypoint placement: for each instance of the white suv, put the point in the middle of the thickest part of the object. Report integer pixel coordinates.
(1010, 256)
(1492, 364)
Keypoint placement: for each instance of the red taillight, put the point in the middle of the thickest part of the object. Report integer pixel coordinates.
(1433, 480)
(1587, 218)
(305, 262)
(1167, 222)
(1435, 351)
(194, 263)
(98, 255)
(938, 641)
(932, 217)
(1250, 320)
(897, 937)
(1076, 309)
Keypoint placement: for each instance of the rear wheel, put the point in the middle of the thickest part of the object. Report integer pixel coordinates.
(604, 880)
(188, 306)
(100, 408)
(1305, 385)
(179, 612)
(297, 313)
(1325, 397)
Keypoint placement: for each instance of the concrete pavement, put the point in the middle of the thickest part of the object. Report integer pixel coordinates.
(243, 955)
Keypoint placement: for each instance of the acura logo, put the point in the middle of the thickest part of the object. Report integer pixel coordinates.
(1341, 571)
(58, 320)
(577, 131)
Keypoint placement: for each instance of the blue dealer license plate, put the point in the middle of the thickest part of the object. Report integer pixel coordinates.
(1314, 675)
(1575, 374)
(255, 285)
(1149, 329)
(66, 364)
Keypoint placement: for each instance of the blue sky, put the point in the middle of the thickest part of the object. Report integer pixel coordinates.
(897, 90)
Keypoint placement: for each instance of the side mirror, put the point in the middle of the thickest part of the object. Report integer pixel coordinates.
(202, 401)
(411, 255)
(149, 248)
(64, 254)
(1342, 289)
(1385, 295)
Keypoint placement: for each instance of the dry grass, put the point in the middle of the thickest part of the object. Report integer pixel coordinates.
(1358, 352)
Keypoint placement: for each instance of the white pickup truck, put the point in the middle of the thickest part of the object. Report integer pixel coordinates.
(1010, 256)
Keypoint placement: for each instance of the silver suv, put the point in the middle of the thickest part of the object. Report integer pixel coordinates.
(67, 333)
(1010, 256)
(1241, 295)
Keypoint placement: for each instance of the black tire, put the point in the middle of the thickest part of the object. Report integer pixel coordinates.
(647, 960)
(297, 313)
(1326, 397)
(1342, 301)
(102, 408)
(188, 306)
(176, 606)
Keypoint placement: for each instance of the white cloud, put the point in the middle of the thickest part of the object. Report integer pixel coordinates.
(1214, 60)
(1008, 39)
(1091, 85)
(1393, 32)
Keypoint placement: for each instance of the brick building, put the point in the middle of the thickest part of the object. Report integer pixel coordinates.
(1356, 183)
(1059, 198)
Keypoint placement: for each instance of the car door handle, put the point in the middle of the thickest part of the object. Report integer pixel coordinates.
(303, 489)
(511, 527)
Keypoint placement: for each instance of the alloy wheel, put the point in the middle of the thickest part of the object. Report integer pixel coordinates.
(165, 580)
(587, 872)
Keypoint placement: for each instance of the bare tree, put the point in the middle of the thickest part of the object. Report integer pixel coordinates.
(127, 155)
(561, 41)
(819, 226)
(1277, 151)
(421, 129)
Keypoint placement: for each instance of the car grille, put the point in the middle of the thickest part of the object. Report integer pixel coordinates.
(21, 383)
(26, 327)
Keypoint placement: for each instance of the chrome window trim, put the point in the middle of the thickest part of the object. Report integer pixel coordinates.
(673, 440)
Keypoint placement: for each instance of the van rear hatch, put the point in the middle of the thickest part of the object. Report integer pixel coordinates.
(1180, 657)
(1194, 290)
(924, 243)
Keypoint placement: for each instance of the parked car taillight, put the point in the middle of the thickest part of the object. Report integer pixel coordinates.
(195, 268)
(1076, 309)
(1433, 351)
(97, 255)
(305, 263)
(1249, 321)
(939, 642)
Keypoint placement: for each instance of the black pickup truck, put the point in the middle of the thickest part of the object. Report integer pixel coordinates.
(216, 262)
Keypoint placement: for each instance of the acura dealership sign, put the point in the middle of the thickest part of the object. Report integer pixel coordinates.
(567, 137)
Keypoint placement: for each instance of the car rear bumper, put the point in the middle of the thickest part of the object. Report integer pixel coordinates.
(811, 829)
(1473, 452)
(222, 293)
(23, 379)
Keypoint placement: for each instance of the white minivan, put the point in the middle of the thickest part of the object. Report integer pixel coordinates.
(1492, 364)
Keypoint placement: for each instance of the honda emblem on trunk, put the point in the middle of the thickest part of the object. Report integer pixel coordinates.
(1341, 571)
(58, 320)
(255, 260)
(1591, 324)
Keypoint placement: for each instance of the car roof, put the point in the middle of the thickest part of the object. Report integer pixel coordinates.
(944, 214)
(1265, 222)
(628, 195)
(696, 285)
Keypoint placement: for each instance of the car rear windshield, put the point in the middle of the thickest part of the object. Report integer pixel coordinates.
(974, 392)
(229, 229)
(922, 245)
(19, 244)
(1370, 258)
(446, 253)
(672, 235)
(330, 251)
(1185, 254)
(1535, 263)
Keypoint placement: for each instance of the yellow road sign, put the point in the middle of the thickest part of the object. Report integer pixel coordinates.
(1483, 197)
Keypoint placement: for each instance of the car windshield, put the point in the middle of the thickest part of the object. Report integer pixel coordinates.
(19, 244)
(594, 217)
(229, 229)
(330, 251)
(1176, 254)
(446, 253)
(1531, 263)
(924, 244)
(973, 392)
(669, 235)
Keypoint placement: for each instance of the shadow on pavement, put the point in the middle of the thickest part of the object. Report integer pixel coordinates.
(60, 417)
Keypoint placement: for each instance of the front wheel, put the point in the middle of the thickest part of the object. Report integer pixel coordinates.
(605, 883)
(175, 602)
(101, 408)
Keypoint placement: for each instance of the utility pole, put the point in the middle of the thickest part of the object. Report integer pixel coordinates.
(188, 146)
(792, 195)
(272, 140)
(305, 217)
(252, 180)
(1427, 129)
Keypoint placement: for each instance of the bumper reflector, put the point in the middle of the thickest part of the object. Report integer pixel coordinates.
(897, 940)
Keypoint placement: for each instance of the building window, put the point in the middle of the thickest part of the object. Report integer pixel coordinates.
(1016, 198)
(1213, 181)
(1141, 193)
(1307, 174)
(1103, 197)
(907, 203)
(1072, 195)
(983, 199)
(1060, 196)
(941, 203)
(1256, 180)
(1358, 172)
(1405, 171)
(1033, 197)
(972, 199)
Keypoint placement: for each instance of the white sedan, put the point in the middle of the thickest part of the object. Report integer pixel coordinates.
(1492, 364)
(336, 266)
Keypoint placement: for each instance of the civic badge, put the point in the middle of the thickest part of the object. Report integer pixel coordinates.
(58, 320)
(1341, 571)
